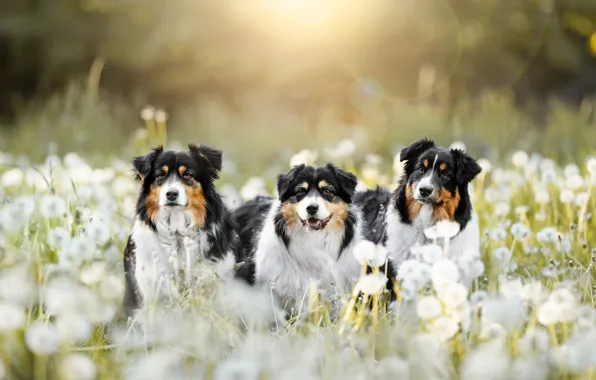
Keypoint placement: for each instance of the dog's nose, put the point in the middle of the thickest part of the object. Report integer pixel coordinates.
(172, 195)
(312, 209)
(425, 191)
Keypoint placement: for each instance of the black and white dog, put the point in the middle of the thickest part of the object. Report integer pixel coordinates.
(180, 221)
(308, 233)
(434, 187)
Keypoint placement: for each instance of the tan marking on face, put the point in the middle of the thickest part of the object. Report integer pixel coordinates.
(425, 163)
(181, 170)
(165, 169)
(197, 204)
(304, 185)
(339, 213)
(442, 167)
(289, 213)
(152, 202)
(446, 211)
(322, 184)
(140, 175)
(413, 205)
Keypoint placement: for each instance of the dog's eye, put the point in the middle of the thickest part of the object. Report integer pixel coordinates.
(301, 191)
(327, 191)
(186, 175)
(446, 175)
(161, 176)
(421, 169)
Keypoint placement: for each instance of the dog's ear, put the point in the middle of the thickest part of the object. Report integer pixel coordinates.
(466, 168)
(346, 180)
(211, 156)
(284, 181)
(143, 164)
(412, 152)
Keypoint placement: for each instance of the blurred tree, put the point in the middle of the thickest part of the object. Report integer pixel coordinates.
(173, 52)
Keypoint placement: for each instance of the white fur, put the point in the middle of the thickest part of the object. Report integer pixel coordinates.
(322, 213)
(401, 237)
(311, 256)
(163, 258)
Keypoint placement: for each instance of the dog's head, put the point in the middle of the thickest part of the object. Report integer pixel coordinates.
(177, 180)
(435, 175)
(314, 197)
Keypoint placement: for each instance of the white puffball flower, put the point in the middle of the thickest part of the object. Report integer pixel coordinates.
(581, 199)
(520, 231)
(520, 159)
(73, 328)
(447, 229)
(408, 270)
(444, 272)
(575, 182)
(458, 145)
(345, 148)
(304, 157)
(12, 317)
(453, 295)
(58, 237)
(548, 313)
(93, 273)
(502, 209)
(541, 196)
(511, 288)
(77, 367)
(533, 293)
(502, 255)
(566, 196)
(428, 307)
(547, 235)
(253, 187)
(591, 165)
(368, 253)
(98, 231)
(484, 164)
(52, 206)
(444, 328)
(571, 170)
(111, 287)
(147, 113)
(428, 253)
(371, 284)
(161, 116)
(42, 338)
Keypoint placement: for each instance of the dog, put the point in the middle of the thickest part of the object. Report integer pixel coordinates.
(434, 187)
(307, 233)
(180, 220)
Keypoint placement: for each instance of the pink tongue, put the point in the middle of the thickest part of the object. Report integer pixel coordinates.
(315, 223)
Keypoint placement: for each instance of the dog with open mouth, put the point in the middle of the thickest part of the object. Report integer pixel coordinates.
(434, 187)
(307, 234)
(180, 221)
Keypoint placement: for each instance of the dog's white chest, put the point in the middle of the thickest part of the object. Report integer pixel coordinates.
(166, 257)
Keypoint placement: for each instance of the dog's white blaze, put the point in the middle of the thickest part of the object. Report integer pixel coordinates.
(311, 256)
(176, 246)
(322, 213)
(426, 180)
(169, 186)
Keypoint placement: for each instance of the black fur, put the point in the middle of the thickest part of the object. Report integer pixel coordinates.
(204, 163)
(373, 204)
(248, 220)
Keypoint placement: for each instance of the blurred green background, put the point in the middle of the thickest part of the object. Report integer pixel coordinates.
(262, 78)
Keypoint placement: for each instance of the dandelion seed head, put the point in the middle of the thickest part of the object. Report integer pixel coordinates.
(12, 317)
(73, 328)
(253, 187)
(443, 273)
(428, 307)
(77, 367)
(41, 338)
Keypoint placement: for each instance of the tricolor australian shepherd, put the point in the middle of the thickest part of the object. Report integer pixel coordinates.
(180, 221)
(434, 187)
(308, 233)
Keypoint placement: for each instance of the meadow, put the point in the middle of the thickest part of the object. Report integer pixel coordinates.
(529, 314)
